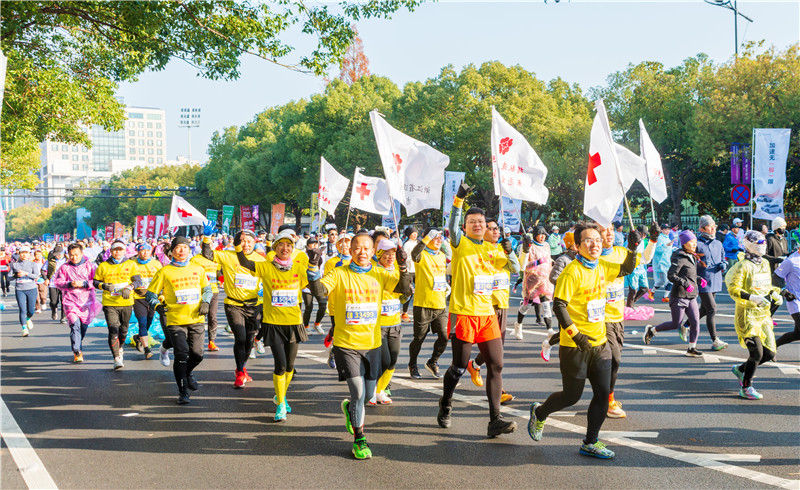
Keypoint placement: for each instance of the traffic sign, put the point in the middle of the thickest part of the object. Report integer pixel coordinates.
(740, 195)
(741, 209)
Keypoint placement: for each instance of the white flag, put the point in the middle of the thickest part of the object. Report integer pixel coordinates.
(184, 214)
(332, 187)
(769, 171)
(370, 194)
(631, 165)
(602, 192)
(517, 170)
(414, 171)
(654, 183)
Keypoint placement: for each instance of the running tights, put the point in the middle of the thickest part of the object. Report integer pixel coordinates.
(678, 307)
(573, 389)
(26, 301)
(245, 322)
(492, 352)
(308, 305)
(708, 309)
(790, 336)
(117, 318)
(359, 387)
(635, 295)
(390, 350)
(538, 309)
(758, 355)
(284, 356)
(187, 343)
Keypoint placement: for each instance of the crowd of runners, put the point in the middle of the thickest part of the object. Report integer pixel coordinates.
(458, 281)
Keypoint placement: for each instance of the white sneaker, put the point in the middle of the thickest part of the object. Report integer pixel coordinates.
(38, 311)
(25, 331)
(551, 331)
(383, 398)
(163, 356)
(252, 353)
(318, 328)
(546, 348)
(718, 344)
(30, 324)
(518, 331)
(373, 401)
(260, 347)
(118, 363)
(227, 329)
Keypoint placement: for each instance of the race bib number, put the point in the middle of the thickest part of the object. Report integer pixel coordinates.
(500, 282)
(187, 296)
(284, 298)
(614, 291)
(391, 307)
(146, 282)
(117, 288)
(245, 281)
(439, 283)
(762, 281)
(4, 268)
(360, 313)
(482, 285)
(596, 310)
(212, 276)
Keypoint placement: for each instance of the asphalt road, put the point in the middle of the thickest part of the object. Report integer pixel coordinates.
(92, 427)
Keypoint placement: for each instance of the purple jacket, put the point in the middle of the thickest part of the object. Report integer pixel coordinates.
(79, 303)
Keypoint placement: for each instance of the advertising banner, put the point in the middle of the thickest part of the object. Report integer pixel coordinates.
(451, 182)
(769, 171)
(227, 218)
(277, 217)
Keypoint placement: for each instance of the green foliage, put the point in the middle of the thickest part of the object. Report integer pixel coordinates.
(26, 221)
(63, 219)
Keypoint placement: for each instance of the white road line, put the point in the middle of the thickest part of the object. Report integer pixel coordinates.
(30, 466)
(776, 318)
(704, 460)
(787, 370)
(711, 358)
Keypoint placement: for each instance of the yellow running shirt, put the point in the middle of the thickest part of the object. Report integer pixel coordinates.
(146, 272)
(240, 284)
(330, 265)
(183, 291)
(360, 297)
(473, 278)
(282, 292)
(391, 307)
(430, 282)
(585, 290)
(211, 269)
(502, 279)
(615, 292)
(120, 276)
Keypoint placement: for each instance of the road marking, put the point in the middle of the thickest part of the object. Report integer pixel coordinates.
(647, 352)
(787, 370)
(711, 358)
(776, 318)
(704, 460)
(30, 466)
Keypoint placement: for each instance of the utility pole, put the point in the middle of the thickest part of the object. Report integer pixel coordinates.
(190, 118)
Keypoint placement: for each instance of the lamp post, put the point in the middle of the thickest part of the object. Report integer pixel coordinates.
(732, 6)
(190, 118)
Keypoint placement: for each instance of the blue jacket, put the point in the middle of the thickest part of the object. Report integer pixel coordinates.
(712, 254)
(662, 254)
(731, 245)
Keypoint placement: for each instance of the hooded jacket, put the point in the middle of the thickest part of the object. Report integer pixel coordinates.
(682, 273)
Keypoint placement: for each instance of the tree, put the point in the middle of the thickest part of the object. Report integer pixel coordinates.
(63, 218)
(65, 58)
(26, 221)
(355, 63)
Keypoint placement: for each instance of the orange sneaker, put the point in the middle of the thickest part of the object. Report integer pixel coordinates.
(405, 317)
(475, 374)
(78, 357)
(665, 300)
(246, 376)
(212, 347)
(505, 397)
(240, 380)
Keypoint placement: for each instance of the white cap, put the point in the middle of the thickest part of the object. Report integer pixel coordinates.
(285, 235)
(778, 223)
(737, 221)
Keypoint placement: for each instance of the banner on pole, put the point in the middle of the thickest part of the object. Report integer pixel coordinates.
(316, 216)
(736, 177)
(150, 231)
(247, 218)
(277, 217)
(110, 232)
(388, 219)
(451, 182)
(747, 167)
(769, 171)
(511, 216)
(140, 227)
(256, 216)
(227, 218)
(119, 230)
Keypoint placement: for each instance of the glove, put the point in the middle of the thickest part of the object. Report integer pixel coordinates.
(526, 244)
(689, 288)
(203, 310)
(654, 231)
(107, 286)
(237, 239)
(433, 235)
(125, 293)
(583, 341)
(776, 298)
(757, 299)
(507, 247)
(402, 256)
(633, 239)
(314, 256)
(788, 295)
(463, 190)
(703, 283)
(209, 227)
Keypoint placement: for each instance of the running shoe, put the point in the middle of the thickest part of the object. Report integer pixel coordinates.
(692, 352)
(227, 329)
(163, 356)
(649, 333)
(718, 344)
(361, 449)
(405, 317)
(63, 321)
(328, 341)
(25, 332)
(38, 311)
(346, 411)
(551, 332)
(183, 397)
(413, 370)
(331, 360)
(78, 357)
(546, 348)
(373, 401)
(30, 324)
(212, 347)
(505, 397)
(597, 450)
(650, 295)
(615, 410)
(475, 374)
(138, 343)
(285, 402)
(433, 368)
(383, 398)
(260, 347)
(682, 332)
(54, 316)
(280, 413)
(247, 376)
(252, 353)
(738, 374)
(500, 426)
(148, 353)
(518, 331)
(118, 363)
(535, 426)
(191, 382)
(443, 418)
(318, 328)
(665, 300)
(240, 380)
(750, 393)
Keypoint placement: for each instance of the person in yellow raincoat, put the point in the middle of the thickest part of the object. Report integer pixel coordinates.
(749, 283)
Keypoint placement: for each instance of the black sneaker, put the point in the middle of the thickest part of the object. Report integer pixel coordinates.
(183, 397)
(649, 333)
(444, 414)
(138, 343)
(191, 382)
(500, 426)
(148, 353)
(54, 317)
(692, 352)
(433, 368)
(413, 370)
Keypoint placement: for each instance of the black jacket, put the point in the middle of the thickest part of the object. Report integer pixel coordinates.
(682, 273)
(777, 250)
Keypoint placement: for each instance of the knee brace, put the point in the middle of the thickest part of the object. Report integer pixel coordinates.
(456, 372)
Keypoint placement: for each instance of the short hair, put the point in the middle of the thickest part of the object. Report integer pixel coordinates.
(474, 210)
(581, 227)
(379, 233)
(360, 234)
(492, 219)
(73, 246)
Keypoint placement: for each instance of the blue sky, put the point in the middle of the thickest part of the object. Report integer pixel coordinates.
(580, 41)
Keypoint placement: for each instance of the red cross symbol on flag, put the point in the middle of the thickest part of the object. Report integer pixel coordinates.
(184, 213)
(363, 191)
(594, 162)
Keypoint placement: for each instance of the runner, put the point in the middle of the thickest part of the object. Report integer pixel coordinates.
(74, 280)
(212, 270)
(661, 262)
(558, 267)
(341, 258)
(55, 260)
(777, 251)
(389, 321)
(409, 242)
(357, 291)
(25, 272)
(41, 282)
(117, 277)
(5, 268)
(186, 292)
(789, 271)
(242, 302)
(636, 282)
(472, 318)
(580, 302)
(146, 266)
(308, 300)
(282, 321)
(711, 267)
(430, 308)
(537, 290)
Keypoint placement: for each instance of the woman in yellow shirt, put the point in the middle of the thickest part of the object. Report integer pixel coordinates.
(391, 311)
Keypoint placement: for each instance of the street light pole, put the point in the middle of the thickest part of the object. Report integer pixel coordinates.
(732, 6)
(190, 118)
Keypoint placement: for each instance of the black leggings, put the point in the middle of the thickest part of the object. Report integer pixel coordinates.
(791, 336)
(117, 318)
(284, 355)
(708, 309)
(308, 305)
(245, 322)
(492, 352)
(635, 295)
(4, 282)
(390, 351)
(187, 344)
(758, 356)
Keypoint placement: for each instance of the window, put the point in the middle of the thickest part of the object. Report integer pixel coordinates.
(141, 124)
(64, 148)
(150, 160)
(135, 115)
(74, 158)
(158, 134)
(85, 150)
(131, 124)
(159, 143)
(141, 151)
(149, 125)
(149, 133)
(86, 167)
(149, 142)
(74, 148)
(141, 142)
(54, 147)
(64, 156)
(159, 151)
(85, 158)
(132, 142)
(75, 166)
(158, 125)
(160, 160)
(133, 151)
(154, 117)
(141, 159)
(131, 132)
(149, 151)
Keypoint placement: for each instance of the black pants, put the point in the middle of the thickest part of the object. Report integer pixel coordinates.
(211, 318)
(55, 300)
(117, 318)
(758, 356)
(187, 345)
(792, 336)
(245, 322)
(492, 352)
(4, 282)
(308, 305)
(708, 309)
(436, 321)
(390, 349)
(407, 303)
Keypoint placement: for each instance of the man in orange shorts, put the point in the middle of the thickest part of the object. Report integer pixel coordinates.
(472, 317)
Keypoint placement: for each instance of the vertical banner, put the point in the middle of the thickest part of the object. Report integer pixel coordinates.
(100, 234)
(159, 229)
(212, 214)
(139, 230)
(746, 166)
(388, 218)
(247, 218)
(277, 217)
(735, 174)
(227, 218)
(119, 230)
(109, 232)
(316, 217)
(451, 182)
(83, 231)
(769, 171)
(150, 226)
(256, 216)
(511, 210)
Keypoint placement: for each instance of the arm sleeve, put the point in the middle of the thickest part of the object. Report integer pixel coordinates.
(648, 253)
(560, 310)
(452, 225)
(631, 260)
(207, 294)
(416, 252)
(403, 285)
(244, 261)
(321, 288)
(206, 249)
(152, 298)
(512, 265)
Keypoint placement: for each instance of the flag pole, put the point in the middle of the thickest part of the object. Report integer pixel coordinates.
(521, 224)
(350, 201)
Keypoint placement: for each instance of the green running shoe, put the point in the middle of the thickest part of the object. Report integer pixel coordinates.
(738, 374)
(361, 449)
(285, 402)
(535, 426)
(347, 422)
(280, 413)
(597, 450)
